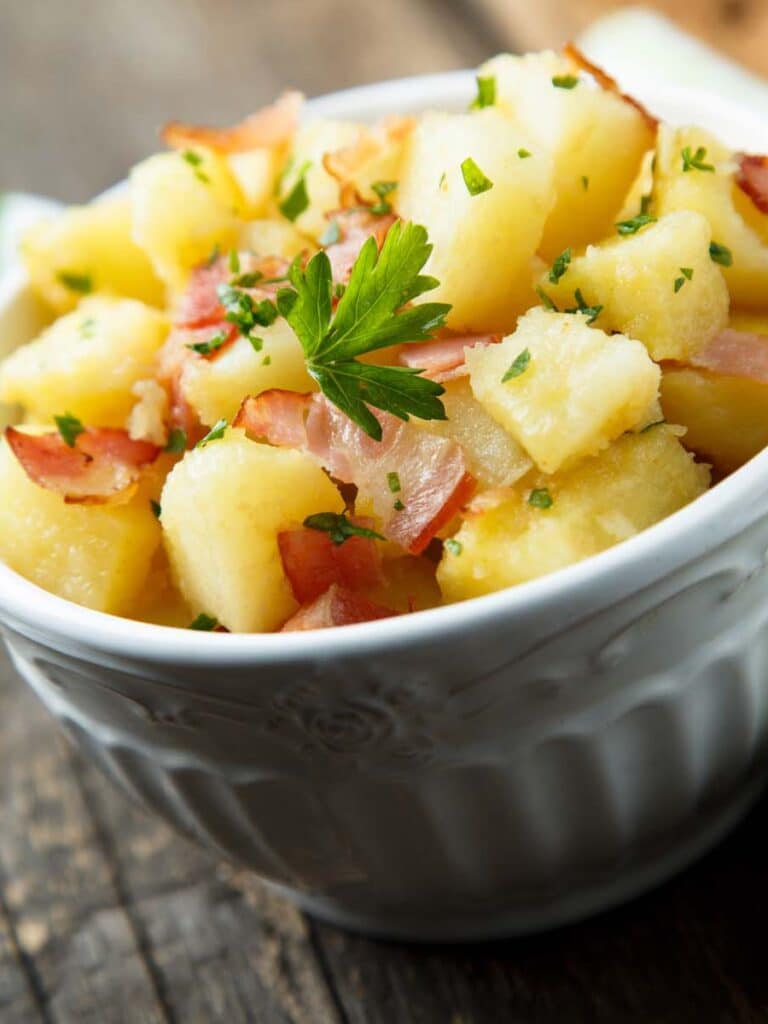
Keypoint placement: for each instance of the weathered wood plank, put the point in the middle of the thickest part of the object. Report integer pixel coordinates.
(17, 996)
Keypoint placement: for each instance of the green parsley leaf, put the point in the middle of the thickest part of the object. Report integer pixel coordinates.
(331, 235)
(524, 153)
(592, 312)
(195, 161)
(204, 623)
(204, 348)
(398, 506)
(546, 302)
(454, 546)
(214, 434)
(695, 161)
(518, 367)
(650, 426)
(486, 92)
(248, 280)
(177, 441)
(339, 290)
(69, 427)
(560, 266)
(585, 182)
(338, 527)
(721, 254)
(369, 316)
(234, 261)
(296, 202)
(257, 344)
(382, 190)
(155, 506)
(443, 178)
(634, 224)
(393, 482)
(679, 282)
(687, 273)
(266, 361)
(474, 179)
(244, 311)
(565, 81)
(82, 283)
(540, 498)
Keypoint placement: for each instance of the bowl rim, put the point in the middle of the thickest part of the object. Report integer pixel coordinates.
(715, 517)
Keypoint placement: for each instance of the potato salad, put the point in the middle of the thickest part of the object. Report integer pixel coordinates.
(304, 372)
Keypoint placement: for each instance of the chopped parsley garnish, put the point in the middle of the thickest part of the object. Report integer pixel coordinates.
(645, 203)
(474, 178)
(524, 153)
(398, 506)
(244, 311)
(339, 290)
(592, 312)
(721, 254)
(266, 360)
(257, 344)
(443, 178)
(247, 280)
(82, 283)
(155, 506)
(204, 623)
(546, 302)
(679, 282)
(234, 261)
(368, 317)
(338, 527)
(195, 161)
(687, 274)
(518, 367)
(297, 200)
(486, 92)
(69, 427)
(634, 224)
(331, 235)
(565, 81)
(454, 546)
(695, 161)
(650, 426)
(393, 482)
(382, 190)
(585, 182)
(205, 348)
(214, 434)
(177, 441)
(560, 266)
(540, 498)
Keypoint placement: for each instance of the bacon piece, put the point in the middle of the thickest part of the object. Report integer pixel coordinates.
(312, 562)
(269, 127)
(752, 179)
(103, 466)
(356, 226)
(200, 305)
(735, 354)
(606, 82)
(336, 607)
(443, 359)
(432, 472)
(344, 164)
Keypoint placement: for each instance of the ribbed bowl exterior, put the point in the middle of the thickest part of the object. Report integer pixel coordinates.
(489, 783)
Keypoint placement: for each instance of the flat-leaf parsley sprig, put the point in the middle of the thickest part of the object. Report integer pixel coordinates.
(368, 317)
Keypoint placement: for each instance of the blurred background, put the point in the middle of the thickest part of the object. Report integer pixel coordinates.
(84, 84)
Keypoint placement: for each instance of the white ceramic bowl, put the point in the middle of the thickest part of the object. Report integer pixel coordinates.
(483, 769)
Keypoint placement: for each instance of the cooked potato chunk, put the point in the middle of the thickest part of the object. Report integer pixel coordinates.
(714, 194)
(550, 522)
(596, 140)
(183, 205)
(255, 171)
(273, 237)
(86, 363)
(484, 242)
(659, 286)
(223, 506)
(570, 388)
(95, 555)
(216, 388)
(89, 249)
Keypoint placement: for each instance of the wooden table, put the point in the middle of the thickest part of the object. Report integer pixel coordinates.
(105, 915)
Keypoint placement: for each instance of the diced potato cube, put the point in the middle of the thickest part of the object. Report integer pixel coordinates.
(222, 508)
(216, 388)
(595, 138)
(408, 584)
(495, 459)
(638, 480)
(659, 286)
(484, 243)
(184, 204)
(715, 195)
(88, 249)
(255, 171)
(272, 237)
(95, 555)
(575, 388)
(86, 363)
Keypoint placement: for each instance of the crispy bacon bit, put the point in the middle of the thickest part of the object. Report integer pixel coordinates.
(344, 164)
(312, 562)
(434, 479)
(336, 607)
(443, 359)
(200, 306)
(735, 354)
(269, 127)
(605, 81)
(103, 466)
(356, 226)
(752, 179)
